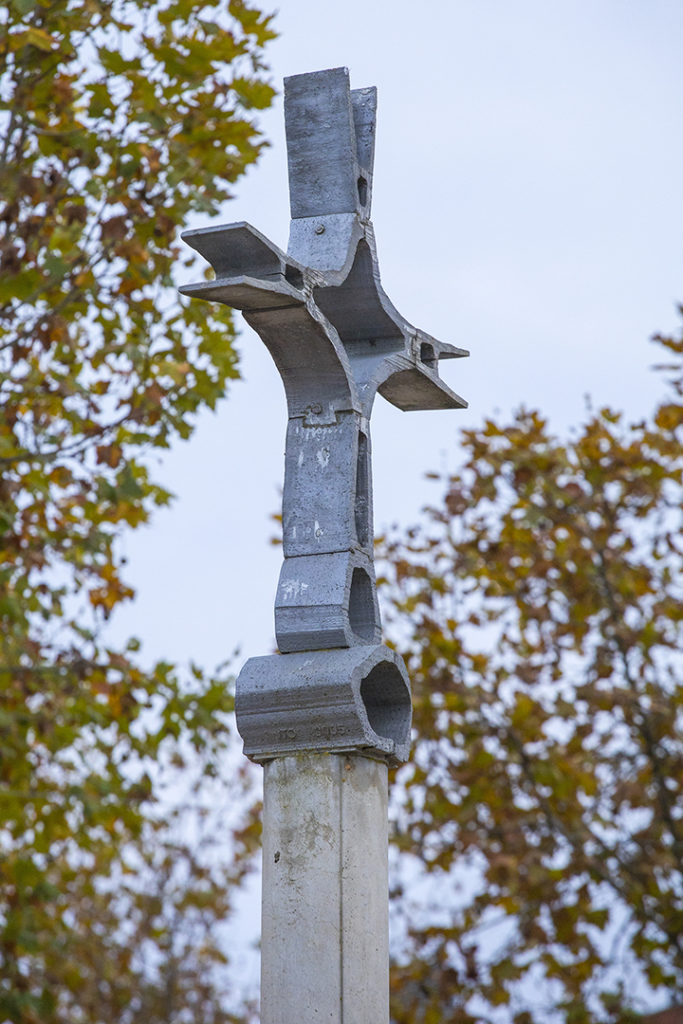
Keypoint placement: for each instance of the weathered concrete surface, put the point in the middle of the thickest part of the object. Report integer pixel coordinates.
(337, 340)
(324, 946)
(353, 699)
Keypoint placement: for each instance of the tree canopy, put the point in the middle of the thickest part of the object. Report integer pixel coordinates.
(539, 826)
(119, 118)
(538, 843)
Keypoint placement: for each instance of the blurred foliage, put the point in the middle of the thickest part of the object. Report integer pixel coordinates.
(539, 825)
(119, 119)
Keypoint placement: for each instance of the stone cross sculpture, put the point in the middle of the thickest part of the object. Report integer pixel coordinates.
(334, 689)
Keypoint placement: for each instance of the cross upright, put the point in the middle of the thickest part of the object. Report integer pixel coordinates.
(334, 705)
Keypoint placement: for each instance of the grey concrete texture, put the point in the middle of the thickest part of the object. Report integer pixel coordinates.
(325, 928)
(336, 340)
(356, 699)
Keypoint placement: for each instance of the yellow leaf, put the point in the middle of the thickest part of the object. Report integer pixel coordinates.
(40, 39)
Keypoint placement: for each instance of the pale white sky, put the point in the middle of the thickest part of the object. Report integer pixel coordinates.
(527, 206)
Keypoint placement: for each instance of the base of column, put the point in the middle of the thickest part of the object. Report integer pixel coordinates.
(325, 930)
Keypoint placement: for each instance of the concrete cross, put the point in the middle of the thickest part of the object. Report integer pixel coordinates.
(336, 340)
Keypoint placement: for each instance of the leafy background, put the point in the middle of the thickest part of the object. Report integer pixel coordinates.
(525, 190)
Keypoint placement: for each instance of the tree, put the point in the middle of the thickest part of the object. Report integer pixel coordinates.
(119, 118)
(540, 610)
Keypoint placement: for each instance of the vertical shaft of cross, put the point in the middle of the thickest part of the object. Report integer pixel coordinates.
(328, 713)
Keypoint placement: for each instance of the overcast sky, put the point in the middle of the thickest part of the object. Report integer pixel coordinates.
(527, 206)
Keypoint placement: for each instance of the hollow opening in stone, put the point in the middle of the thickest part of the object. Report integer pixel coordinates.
(294, 276)
(427, 355)
(362, 190)
(361, 508)
(387, 702)
(362, 605)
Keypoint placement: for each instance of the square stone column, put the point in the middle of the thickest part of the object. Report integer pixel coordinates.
(325, 924)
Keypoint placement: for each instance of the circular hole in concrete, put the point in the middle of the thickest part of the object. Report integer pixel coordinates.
(362, 605)
(387, 701)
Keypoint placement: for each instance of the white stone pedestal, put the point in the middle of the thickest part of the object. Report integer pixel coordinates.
(325, 930)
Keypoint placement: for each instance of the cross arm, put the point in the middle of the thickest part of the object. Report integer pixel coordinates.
(387, 354)
(251, 271)
(412, 382)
